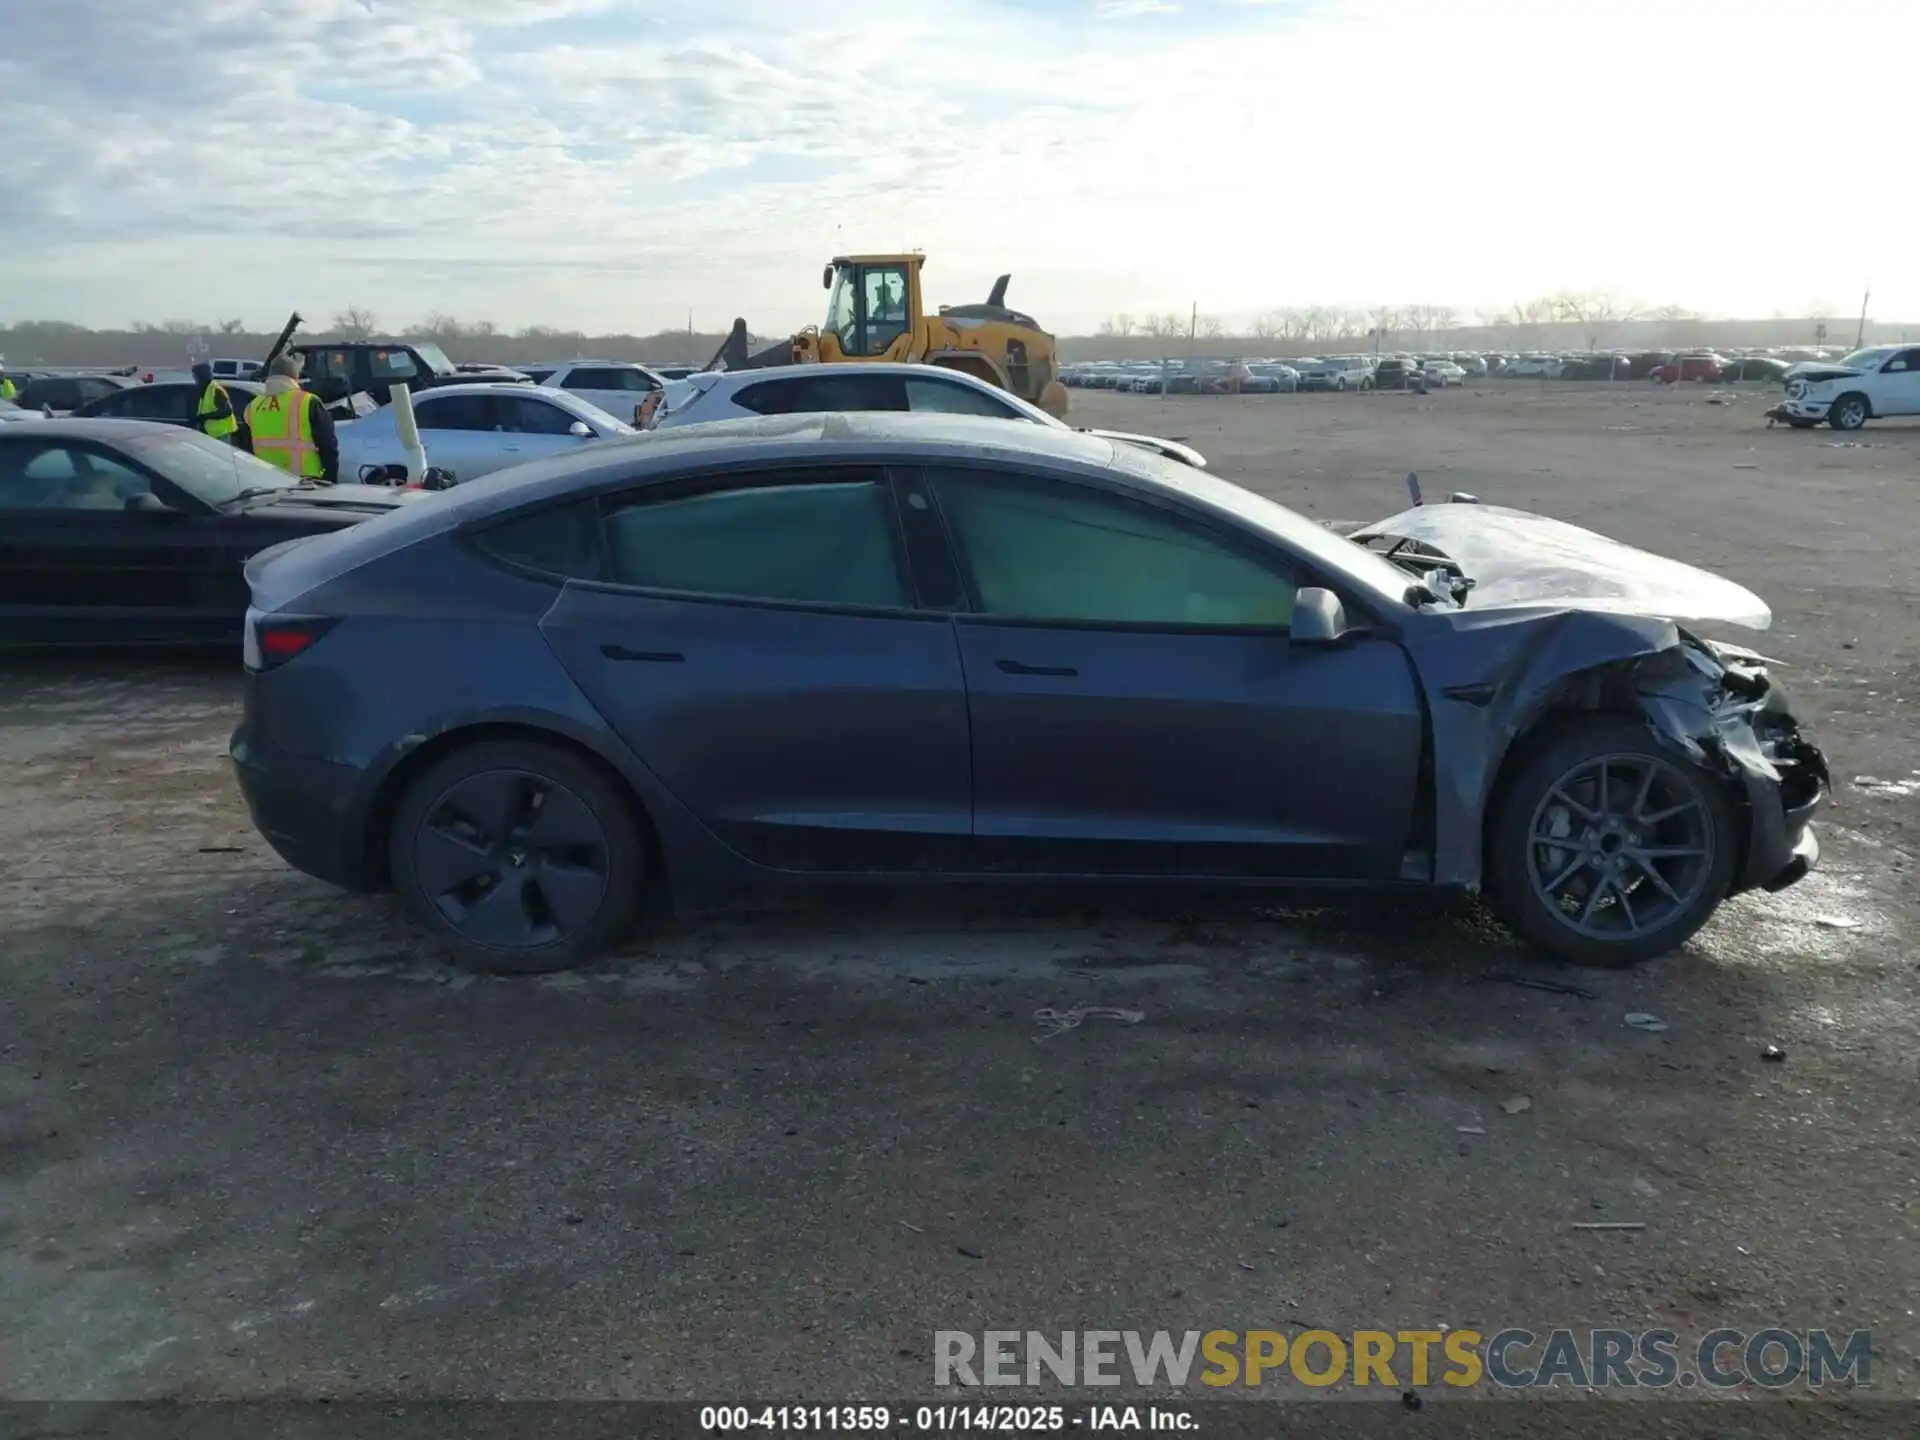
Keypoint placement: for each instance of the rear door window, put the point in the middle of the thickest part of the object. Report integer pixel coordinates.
(820, 538)
(454, 412)
(813, 394)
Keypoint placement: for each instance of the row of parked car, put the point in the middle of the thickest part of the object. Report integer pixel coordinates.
(1433, 371)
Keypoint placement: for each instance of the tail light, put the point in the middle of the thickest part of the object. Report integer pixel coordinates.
(272, 640)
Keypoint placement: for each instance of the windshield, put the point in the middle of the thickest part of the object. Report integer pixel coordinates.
(209, 470)
(435, 357)
(840, 311)
(1868, 359)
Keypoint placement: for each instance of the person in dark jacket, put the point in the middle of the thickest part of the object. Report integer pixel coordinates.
(213, 413)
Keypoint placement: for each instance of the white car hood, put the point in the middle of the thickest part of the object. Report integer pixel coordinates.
(1520, 559)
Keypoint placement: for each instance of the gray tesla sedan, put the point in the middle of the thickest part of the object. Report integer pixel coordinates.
(905, 648)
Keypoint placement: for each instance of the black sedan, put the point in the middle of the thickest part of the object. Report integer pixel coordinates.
(170, 402)
(64, 393)
(117, 532)
(882, 647)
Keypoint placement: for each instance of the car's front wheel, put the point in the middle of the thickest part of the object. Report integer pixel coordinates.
(1607, 848)
(518, 856)
(1849, 412)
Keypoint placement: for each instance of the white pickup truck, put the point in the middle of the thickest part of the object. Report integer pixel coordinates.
(1872, 384)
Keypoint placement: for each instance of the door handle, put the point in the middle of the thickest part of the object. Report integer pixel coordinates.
(1014, 667)
(662, 657)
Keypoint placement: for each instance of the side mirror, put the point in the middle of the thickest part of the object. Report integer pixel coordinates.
(580, 430)
(1318, 617)
(826, 278)
(149, 504)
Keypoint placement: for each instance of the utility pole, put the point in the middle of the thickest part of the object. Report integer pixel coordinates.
(1860, 337)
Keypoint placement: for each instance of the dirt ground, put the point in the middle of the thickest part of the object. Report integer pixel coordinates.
(254, 1142)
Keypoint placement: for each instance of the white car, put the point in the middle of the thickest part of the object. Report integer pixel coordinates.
(1872, 384)
(616, 386)
(475, 429)
(1547, 367)
(810, 389)
(1441, 373)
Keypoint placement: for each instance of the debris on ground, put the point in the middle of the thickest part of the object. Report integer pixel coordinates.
(1773, 1054)
(1609, 1225)
(972, 1252)
(1518, 1105)
(1470, 1129)
(1645, 1187)
(1838, 922)
(1652, 1024)
(1058, 1022)
(1528, 982)
(914, 1228)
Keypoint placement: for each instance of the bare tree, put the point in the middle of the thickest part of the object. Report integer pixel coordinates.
(441, 328)
(1595, 311)
(1209, 327)
(1119, 326)
(1267, 325)
(353, 323)
(1387, 319)
(233, 327)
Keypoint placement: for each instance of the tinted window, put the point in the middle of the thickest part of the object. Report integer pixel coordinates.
(453, 412)
(830, 540)
(811, 394)
(1906, 360)
(1060, 552)
(393, 365)
(92, 388)
(952, 398)
(153, 402)
(529, 416)
(327, 364)
(561, 542)
(591, 378)
(52, 476)
(59, 391)
(539, 377)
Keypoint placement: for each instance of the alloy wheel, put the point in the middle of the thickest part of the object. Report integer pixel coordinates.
(1620, 845)
(512, 860)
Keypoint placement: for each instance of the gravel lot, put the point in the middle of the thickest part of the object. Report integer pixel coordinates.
(254, 1142)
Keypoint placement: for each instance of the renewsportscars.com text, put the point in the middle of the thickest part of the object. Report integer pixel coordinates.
(1513, 1359)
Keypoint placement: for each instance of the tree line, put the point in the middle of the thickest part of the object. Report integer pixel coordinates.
(170, 342)
(1592, 314)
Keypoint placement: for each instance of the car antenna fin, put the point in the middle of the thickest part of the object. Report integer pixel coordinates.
(1413, 487)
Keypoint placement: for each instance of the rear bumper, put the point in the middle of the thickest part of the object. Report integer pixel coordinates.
(304, 809)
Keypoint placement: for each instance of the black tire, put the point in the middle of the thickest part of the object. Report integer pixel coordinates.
(1802, 424)
(1849, 412)
(571, 895)
(1512, 853)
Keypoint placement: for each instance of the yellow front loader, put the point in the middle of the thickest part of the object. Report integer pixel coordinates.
(875, 312)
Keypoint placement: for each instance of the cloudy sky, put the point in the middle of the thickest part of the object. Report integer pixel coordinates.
(613, 164)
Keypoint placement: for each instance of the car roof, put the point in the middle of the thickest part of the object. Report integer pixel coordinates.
(492, 387)
(101, 428)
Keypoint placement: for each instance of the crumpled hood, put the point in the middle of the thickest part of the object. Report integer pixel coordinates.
(1814, 371)
(1520, 559)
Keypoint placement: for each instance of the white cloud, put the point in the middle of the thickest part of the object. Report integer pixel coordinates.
(610, 163)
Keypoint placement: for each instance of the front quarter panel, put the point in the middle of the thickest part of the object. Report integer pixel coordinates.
(1488, 676)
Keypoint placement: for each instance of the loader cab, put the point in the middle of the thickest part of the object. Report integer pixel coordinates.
(874, 305)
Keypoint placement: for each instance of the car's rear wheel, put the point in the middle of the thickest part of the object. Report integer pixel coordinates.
(1607, 848)
(518, 856)
(1849, 412)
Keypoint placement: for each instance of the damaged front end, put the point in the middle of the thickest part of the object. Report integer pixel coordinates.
(1719, 706)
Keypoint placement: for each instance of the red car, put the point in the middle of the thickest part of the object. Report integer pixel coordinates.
(1689, 367)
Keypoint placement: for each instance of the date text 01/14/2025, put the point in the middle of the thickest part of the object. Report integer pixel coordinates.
(941, 1419)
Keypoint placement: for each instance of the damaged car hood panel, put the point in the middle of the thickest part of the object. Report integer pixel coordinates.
(1520, 559)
